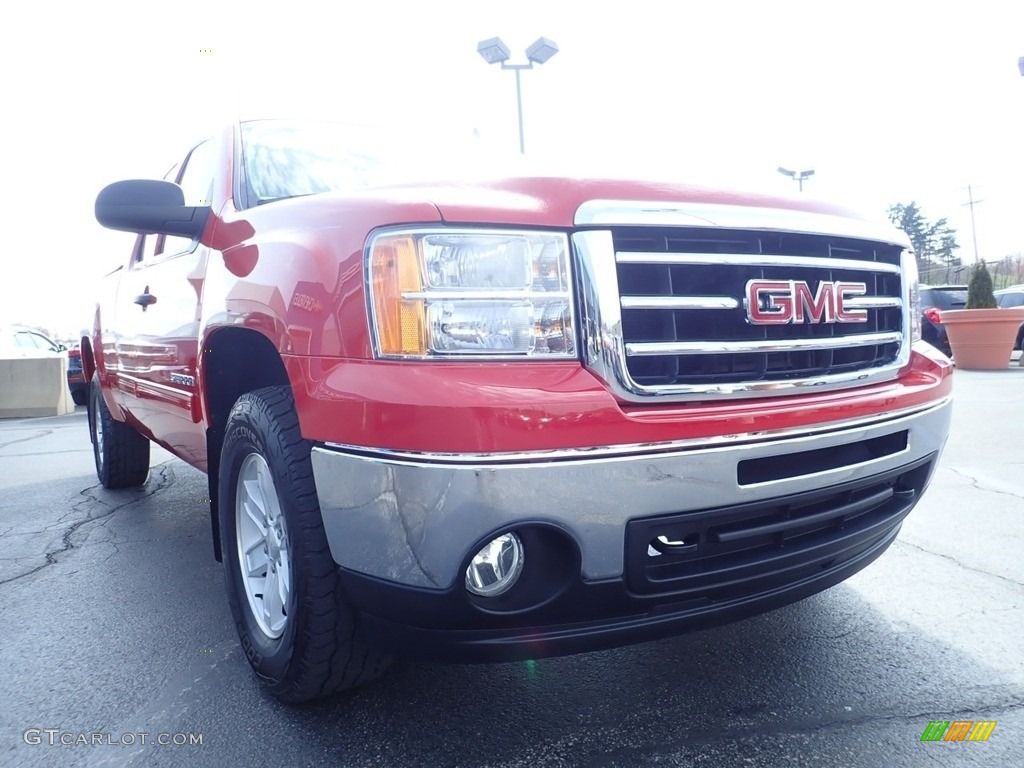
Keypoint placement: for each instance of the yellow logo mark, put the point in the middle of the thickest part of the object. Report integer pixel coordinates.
(982, 730)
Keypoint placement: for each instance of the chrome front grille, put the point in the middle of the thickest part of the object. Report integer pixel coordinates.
(665, 308)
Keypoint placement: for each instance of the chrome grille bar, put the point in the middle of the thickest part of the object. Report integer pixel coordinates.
(739, 347)
(679, 302)
(755, 260)
(874, 302)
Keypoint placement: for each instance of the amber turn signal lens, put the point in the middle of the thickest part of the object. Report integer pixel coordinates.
(395, 267)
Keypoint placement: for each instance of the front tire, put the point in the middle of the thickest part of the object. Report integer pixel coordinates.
(296, 626)
(120, 453)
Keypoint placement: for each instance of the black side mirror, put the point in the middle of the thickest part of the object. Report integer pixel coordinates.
(149, 207)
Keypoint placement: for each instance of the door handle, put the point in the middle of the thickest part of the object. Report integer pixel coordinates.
(145, 299)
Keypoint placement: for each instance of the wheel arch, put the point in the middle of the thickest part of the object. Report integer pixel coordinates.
(233, 361)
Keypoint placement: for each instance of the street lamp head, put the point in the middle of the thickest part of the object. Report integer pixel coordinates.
(541, 50)
(493, 51)
(796, 174)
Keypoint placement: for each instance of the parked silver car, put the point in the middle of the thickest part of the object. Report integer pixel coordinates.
(1013, 297)
(19, 341)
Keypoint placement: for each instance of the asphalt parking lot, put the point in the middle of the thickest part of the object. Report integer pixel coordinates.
(116, 624)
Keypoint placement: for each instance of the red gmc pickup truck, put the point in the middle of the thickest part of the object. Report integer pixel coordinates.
(506, 419)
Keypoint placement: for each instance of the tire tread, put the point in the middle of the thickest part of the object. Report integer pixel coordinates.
(125, 459)
(328, 654)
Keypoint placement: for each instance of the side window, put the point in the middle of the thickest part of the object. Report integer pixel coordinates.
(147, 249)
(196, 181)
(30, 340)
(24, 340)
(42, 342)
(1011, 300)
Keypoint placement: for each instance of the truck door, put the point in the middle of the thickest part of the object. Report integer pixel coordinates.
(159, 305)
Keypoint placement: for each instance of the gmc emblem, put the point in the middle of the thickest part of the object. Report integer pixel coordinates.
(780, 302)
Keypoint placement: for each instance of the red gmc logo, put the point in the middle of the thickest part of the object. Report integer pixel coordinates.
(780, 302)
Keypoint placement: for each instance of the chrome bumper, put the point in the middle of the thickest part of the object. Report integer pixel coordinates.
(415, 520)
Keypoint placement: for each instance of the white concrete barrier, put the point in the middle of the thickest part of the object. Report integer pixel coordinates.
(34, 386)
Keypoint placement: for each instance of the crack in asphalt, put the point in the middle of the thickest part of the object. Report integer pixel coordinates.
(797, 727)
(839, 636)
(977, 483)
(165, 476)
(36, 436)
(170, 707)
(43, 453)
(956, 562)
(785, 727)
(980, 611)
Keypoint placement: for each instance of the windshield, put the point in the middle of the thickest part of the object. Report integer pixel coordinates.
(943, 298)
(284, 159)
(292, 158)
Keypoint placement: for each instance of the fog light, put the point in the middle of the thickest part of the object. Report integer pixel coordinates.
(496, 567)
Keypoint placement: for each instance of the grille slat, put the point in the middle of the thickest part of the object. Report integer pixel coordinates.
(746, 260)
(703, 347)
(679, 302)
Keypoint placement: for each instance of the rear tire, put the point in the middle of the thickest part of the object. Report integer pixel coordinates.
(297, 627)
(121, 454)
(80, 396)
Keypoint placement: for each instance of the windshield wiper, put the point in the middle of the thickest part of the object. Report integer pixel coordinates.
(265, 200)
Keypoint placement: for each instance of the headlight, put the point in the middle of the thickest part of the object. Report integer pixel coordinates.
(913, 294)
(466, 293)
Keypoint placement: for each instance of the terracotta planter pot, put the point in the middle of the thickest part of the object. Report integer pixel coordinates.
(982, 339)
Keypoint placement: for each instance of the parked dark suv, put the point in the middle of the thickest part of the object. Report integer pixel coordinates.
(77, 384)
(1013, 297)
(935, 298)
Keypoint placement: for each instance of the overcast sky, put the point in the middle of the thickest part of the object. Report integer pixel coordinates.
(887, 101)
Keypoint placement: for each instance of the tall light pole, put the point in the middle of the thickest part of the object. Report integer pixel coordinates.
(974, 230)
(494, 51)
(799, 176)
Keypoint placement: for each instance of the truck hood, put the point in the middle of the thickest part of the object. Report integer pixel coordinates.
(564, 202)
(557, 202)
